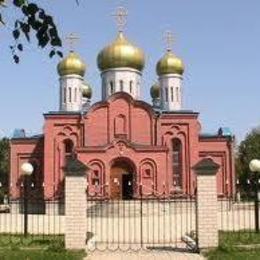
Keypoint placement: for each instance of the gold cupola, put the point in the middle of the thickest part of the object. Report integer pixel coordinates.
(72, 64)
(170, 64)
(86, 91)
(155, 91)
(121, 53)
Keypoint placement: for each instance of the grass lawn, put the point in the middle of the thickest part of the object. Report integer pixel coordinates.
(228, 249)
(239, 238)
(35, 247)
(227, 254)
(39, 254)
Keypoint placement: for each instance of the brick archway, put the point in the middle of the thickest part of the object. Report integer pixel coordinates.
(122, 179)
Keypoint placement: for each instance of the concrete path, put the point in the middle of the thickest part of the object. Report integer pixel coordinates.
(144, 255)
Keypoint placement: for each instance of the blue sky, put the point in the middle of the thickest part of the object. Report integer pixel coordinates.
(219, 42)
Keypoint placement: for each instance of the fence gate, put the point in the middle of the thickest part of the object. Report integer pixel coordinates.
(141, 223)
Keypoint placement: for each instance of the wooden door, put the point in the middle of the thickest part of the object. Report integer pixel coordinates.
(116, 182)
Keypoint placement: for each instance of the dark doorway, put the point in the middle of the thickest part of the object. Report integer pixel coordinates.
(121, 180)
(127, 185)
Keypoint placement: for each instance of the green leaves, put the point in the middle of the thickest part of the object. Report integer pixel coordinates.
(1, 20)
(54, 52)
(20, 47)
(16, 34)
(4, 160)
(16, 58)
(247, 150)
(35, 20)
(56, 42)
(18, 3)
(32, 9)
(60, 54)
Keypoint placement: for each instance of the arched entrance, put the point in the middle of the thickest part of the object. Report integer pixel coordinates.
(121, 179)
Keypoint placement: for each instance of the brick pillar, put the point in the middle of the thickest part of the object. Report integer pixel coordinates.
(75, 205)
(207, 207)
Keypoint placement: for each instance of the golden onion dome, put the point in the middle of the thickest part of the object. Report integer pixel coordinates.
(72, 64)
(121, 53)
(170, 64)
(155, 91)
(86, 90)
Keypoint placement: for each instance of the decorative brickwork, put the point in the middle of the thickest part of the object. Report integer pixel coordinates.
(124, 127)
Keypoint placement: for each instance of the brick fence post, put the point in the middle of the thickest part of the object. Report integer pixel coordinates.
(207, 204)
(75, 204)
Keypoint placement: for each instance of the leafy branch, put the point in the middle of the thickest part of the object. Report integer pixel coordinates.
(35, 20)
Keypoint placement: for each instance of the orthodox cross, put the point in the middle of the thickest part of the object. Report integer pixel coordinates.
(72, 39)
(169, 40)
(121, 18)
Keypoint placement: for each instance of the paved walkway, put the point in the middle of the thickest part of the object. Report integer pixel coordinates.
(144, 255)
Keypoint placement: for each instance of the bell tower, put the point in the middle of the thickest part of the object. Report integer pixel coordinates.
(71, 71)
(170, 70)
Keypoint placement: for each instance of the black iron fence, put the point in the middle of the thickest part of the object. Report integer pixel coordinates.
(26, 217)
(156, 221)
(239, 216)
(159, 221)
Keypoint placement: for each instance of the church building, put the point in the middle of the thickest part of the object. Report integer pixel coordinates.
(132, 148)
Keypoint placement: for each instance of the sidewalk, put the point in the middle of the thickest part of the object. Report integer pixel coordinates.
(143, 255)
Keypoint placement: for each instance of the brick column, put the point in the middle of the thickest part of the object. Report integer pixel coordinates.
(207, 207)
(75, 205)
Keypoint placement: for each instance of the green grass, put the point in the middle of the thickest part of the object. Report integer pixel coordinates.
(35, 247)
(229, 250)
(31, 241)
(223, 253)
(239, 238)
(31, 254)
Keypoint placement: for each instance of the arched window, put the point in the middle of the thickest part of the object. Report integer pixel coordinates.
(120, 125)
(172, 94)
(131, 86)
(111, 87)
(70, 94)
(64, 95)
(121, 85)
(68, 148)
(177, 162)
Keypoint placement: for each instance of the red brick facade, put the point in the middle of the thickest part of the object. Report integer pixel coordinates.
(159, 148)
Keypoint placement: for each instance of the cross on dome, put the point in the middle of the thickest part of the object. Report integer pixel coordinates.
(121, 17)
(169, 40)
(72, 39)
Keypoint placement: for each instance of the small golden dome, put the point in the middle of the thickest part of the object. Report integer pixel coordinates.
(155, 91)
(170, 64)
(86, 90)
(72, 64)
(121, 53)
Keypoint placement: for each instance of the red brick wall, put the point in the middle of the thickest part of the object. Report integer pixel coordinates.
(146, 140)
(29, 150)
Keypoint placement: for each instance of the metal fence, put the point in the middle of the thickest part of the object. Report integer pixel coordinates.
(29, 217)
(141, 223)
(238, 218)
(236, 215)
